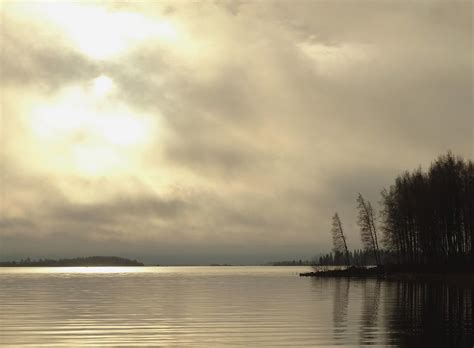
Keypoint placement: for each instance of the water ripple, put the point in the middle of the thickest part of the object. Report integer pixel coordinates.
(231, 306)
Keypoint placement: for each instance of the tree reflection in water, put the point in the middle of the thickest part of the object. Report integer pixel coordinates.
(402, 313)
(370, 309)
(430, 315)
(341, 302)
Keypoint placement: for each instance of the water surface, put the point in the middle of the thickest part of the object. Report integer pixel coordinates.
(231, 306)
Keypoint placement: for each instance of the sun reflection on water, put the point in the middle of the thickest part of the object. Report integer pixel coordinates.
(79, 270)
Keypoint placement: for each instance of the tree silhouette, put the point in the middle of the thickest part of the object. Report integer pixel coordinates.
(368, 231)
(338, 238)
(428, 218)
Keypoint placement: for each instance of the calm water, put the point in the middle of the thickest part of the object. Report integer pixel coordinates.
(217, 306)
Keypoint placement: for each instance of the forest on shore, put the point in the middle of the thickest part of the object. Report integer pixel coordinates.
(425, 220)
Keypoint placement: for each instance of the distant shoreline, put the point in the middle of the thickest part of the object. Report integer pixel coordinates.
(92, 261)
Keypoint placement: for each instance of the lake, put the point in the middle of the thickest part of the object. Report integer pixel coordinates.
(225, 306)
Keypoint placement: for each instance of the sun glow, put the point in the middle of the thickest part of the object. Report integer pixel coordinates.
(121, 130)
(102, 86)
(82, 269)
(103, 33)
(82, 128)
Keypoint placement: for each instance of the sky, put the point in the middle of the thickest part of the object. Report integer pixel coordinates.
(219, 131)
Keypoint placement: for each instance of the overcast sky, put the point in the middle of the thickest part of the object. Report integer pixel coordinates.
(219, 131)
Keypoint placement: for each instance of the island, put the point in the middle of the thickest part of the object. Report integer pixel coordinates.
(91, 261)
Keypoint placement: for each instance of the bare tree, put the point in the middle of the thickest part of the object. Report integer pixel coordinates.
(368, 231)
(374, 227)
(338, 238)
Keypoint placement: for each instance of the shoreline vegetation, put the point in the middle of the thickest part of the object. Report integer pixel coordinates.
(463, 276)
(424, 227)
(290, 263)
(92, 261)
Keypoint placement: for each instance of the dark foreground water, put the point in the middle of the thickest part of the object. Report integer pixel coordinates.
(218, 306)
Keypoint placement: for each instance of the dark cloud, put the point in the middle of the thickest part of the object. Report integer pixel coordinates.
(41, 59)
(120, 209)
(16, 223)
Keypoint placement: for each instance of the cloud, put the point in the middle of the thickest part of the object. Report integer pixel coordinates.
(271, 116)
(41, 60)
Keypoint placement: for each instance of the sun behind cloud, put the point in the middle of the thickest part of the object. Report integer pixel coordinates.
(102, 85)
(96, 134)
(99, 32)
